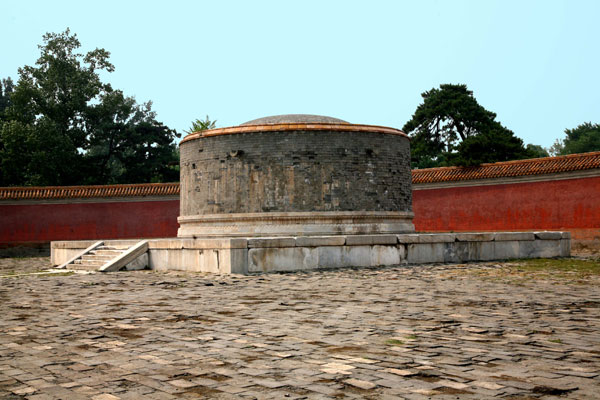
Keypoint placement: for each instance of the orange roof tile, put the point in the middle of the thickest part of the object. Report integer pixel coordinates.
(534, 166)
(83, 192)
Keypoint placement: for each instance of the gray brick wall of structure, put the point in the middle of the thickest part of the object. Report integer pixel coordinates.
(295, 171)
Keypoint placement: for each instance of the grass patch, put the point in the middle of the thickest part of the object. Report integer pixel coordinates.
(579, 271)
(572, 270)
(583, 266)
(555, 340)
(13, 274)
(394, 342)
(411, 337)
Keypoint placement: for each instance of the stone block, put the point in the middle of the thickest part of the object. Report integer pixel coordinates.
(233, 261)
(330, 256)
(345, 256)
(436, 238)
(453, 252)
(539, 249)
(208, 260)
(282, 259)
(408, 238)
(512, 236)
(316, 241)
(422, 253)
(482, 251)
(356, 256)
(272, 242)
(362, 240)
(566, 235)
(387, 255)
(565, 247)
(506, 250)
(475, 237)
(461, 252)
(60, 256)
(193, 260)
(546, 235)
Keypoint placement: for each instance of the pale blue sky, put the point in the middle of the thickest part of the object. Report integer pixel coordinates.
(534, 63)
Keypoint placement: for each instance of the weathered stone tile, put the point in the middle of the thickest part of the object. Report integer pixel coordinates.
(410, 331)
(365, 385)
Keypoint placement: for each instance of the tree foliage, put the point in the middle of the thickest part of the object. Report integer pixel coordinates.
(537, 151)
(582, 139)
(64, 126)
(451, 128)
(490, 146)
(6, 88)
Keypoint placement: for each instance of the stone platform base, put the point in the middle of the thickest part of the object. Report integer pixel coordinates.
(252, 255)
(291, 224)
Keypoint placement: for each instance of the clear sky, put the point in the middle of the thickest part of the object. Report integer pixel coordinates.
(536, 64)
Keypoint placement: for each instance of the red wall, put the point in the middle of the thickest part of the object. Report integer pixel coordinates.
(571, 204)
(75, 221)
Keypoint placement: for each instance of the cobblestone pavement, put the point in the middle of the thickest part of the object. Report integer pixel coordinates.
(9, 266)
(407, 332)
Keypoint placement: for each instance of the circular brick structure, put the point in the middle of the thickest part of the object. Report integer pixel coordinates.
(295, 175)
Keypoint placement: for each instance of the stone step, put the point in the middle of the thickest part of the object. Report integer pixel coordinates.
(106, 248)
(97, 263)
(97, 257)
(114, 247)
(84, 267)
(111, 253)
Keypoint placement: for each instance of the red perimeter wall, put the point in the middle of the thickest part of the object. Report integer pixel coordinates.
(570, 204)
(38, 223)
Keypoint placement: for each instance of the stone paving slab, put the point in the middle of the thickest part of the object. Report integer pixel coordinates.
(444, 331)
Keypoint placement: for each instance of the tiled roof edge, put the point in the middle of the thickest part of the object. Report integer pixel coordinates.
(506, 169)
(86, 192)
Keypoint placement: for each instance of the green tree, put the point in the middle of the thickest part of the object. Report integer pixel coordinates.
(6, 88)
(65, 126)
(489, 146)
(127, 144)
(537, 151)
(447, 118)
(582, 139)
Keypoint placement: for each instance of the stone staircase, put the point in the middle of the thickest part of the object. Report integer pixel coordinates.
(104, 257)
(95, 259)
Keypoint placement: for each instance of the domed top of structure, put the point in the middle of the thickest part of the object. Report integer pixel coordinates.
(293, 122)
(293, 119)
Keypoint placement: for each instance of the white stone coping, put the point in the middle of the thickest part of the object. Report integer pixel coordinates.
(82, 244)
